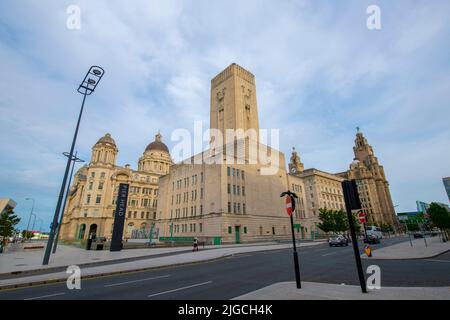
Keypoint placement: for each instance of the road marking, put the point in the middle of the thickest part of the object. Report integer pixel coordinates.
(132, 281)
(49, 295)
(328, 254)
(179, 289)
(436, 260)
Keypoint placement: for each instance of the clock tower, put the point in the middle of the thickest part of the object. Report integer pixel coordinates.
(295, 166)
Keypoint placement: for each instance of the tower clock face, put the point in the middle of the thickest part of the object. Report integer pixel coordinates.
(293, 170)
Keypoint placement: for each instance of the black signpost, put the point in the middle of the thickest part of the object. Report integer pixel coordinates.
(290, 210)
(119, 218)
(352, 202)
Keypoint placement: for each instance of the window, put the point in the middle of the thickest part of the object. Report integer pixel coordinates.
(234, 172)
(238, 173)
(229, 229)
(229, 188)
(229, 206)
(239, 208)
(228, 171)
(201, 177)
(234, 189)
(238, 189)
(142, 215)
(243, 208)
(200, 227)
(91, 184)
(147, 215)
(134, 214)
(245, 229)
(243, 191)
(93, 174)
(234, 207)
(129, 214)
(88, 199)
(98, 199)
(201, 209)
(154, 215)
(102, 175)
(100, 186)
(273, 230)
(242, 174)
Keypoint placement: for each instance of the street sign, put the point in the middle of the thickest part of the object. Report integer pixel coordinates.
(402, 218)
(289, 205)
(361, 216)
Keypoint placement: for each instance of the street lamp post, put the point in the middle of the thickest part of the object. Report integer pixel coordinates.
(74, 159)
(34, 221)
(31, 212)
(90, 81)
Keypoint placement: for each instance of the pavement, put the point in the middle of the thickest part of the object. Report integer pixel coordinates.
(152, 259)
(326, 291)
(404, 250)
(26, 261)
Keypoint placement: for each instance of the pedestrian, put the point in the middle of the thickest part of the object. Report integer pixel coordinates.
(195, 245)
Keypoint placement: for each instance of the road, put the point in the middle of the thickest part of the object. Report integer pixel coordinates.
(231, 277)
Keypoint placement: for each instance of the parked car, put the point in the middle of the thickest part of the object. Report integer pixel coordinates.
(338, 240)
(372, 239)
(418, 235)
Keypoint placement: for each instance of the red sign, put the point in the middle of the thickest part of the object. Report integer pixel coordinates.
(362, 217)
(288, 205)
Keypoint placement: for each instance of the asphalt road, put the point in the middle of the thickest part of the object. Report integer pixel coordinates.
(230, 277)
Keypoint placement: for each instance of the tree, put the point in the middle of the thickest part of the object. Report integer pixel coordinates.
(8, 220)
(335, 221)
(440, 217)
(26, 234)
(326, 223)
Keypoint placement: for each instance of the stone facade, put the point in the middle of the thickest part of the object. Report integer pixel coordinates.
(92, 196)
(226, 194)
(373, 187)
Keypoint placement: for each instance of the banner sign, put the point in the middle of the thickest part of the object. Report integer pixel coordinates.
(119, 217)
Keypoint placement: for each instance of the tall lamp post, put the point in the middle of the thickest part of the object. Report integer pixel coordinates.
(31, 212)
(90, 81)
(34, 221)
(74, 159)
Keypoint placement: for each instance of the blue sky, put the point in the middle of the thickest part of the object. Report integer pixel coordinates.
(319, 71)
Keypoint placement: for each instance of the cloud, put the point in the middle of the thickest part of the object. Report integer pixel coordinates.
(319, 71)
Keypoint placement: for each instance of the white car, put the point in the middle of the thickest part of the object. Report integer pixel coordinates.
(374, 230)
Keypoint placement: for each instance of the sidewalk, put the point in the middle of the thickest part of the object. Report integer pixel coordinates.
(143, 264)
(22, 261)
(325, 291)
(418, 250)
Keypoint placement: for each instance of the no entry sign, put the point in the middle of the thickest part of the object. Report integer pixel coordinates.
(361, 217)
(288, 205)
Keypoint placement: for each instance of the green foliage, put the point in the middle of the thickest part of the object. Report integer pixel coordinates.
(326, 223)
(26, 234)
(335, 221)
(439, 216)
(8, 220)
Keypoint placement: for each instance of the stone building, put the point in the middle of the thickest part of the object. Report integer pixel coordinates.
(92, 196)
(373, 187)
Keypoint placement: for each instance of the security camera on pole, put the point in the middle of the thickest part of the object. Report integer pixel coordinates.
(290, 208)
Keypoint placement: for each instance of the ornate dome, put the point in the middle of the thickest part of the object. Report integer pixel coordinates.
(157, 144)
(107, 139)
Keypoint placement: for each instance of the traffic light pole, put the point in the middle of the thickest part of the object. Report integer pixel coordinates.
(296, 264)
(352, 201)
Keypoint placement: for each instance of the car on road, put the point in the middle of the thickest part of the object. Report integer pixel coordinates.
(374, 230)
(418, 235)
(372, 239)
(338, 240)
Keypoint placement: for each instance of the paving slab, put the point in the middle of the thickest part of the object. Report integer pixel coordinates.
(326, 291)
(145, 264)
(418, 250)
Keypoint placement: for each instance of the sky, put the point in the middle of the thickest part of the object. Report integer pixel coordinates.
(320, 73)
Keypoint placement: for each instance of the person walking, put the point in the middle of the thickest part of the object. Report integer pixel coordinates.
(195, 245)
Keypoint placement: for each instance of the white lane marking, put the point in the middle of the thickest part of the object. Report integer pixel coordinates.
(179, 289)
(132, 281)
(328, 254)
(47, 296)
(436, 260)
